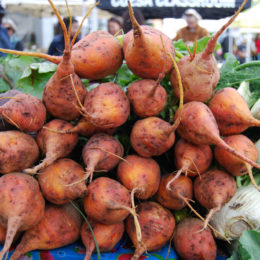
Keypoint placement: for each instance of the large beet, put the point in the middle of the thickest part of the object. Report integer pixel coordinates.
(18, 151)
(21, 207)
(157, 225)
(59, 227)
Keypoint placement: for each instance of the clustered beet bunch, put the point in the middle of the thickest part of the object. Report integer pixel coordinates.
(109, 202)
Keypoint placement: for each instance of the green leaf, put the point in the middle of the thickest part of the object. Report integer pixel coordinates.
(201, 45)
(248, 246)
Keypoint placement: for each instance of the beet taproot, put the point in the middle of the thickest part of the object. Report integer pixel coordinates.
(232, 164)
(141, 174)
(59, 227)
(107, 236)
(193, 243)
(191, 159)
(157, 225)
(144, 51)
(213, 189)
(25, 112)
(22, 205)
(173, 195)
(54, 145)
(106, 106)
(55, 181)
(199, 72)
(18, 151)
(102, 152)
(148, 97)
(107, 201)
(231, 112)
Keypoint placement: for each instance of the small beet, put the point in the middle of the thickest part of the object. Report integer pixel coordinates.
(173, 195)
(101, 152)
(199, 72)
(141, 174)
(232, 164)
(231, 112)
(152, 136)
(59, 227)
(22, 205)
(55, 181)
(147, 97)
(106, 106)
(191, 159)
(24, 111)
(157, 225)
(107, 236)
(213, 189)
(18, 151)
(105, 200)
(52, 144)
(144, 51)
(193, 243)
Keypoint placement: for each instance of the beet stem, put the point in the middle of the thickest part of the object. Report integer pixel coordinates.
(178, 119)
(63, 27)
(251, 176)
(136, 26)
(228, 148)
(70, 16)
(157, 84)
(13, 225)
(82, 21)
(213, 41)
(53, 59)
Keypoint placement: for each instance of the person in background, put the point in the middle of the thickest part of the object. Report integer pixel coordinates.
(57, 45)
(241, 53)
(127, 25)
(114, 26)
(257, 45)
(4, 37)
(16, 43)
(192, 31)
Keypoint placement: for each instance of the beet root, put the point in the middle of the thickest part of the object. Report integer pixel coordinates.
(106, 106)
(157, 225)
(152, 136)
(170, 195)
(143, 174)
(193, 243)
(97, 55)
(17, 151)
(144, 52)
(199, 126)
(102, 152)
(59, 227)
(55, 181)
(22, 205)
(148, 97)
(199, 72)
(107, 236)
(213, 189)
(54, 145)
(191, 159)
(231, 112)
(107, 201)
(232, 164)
(24, 111)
